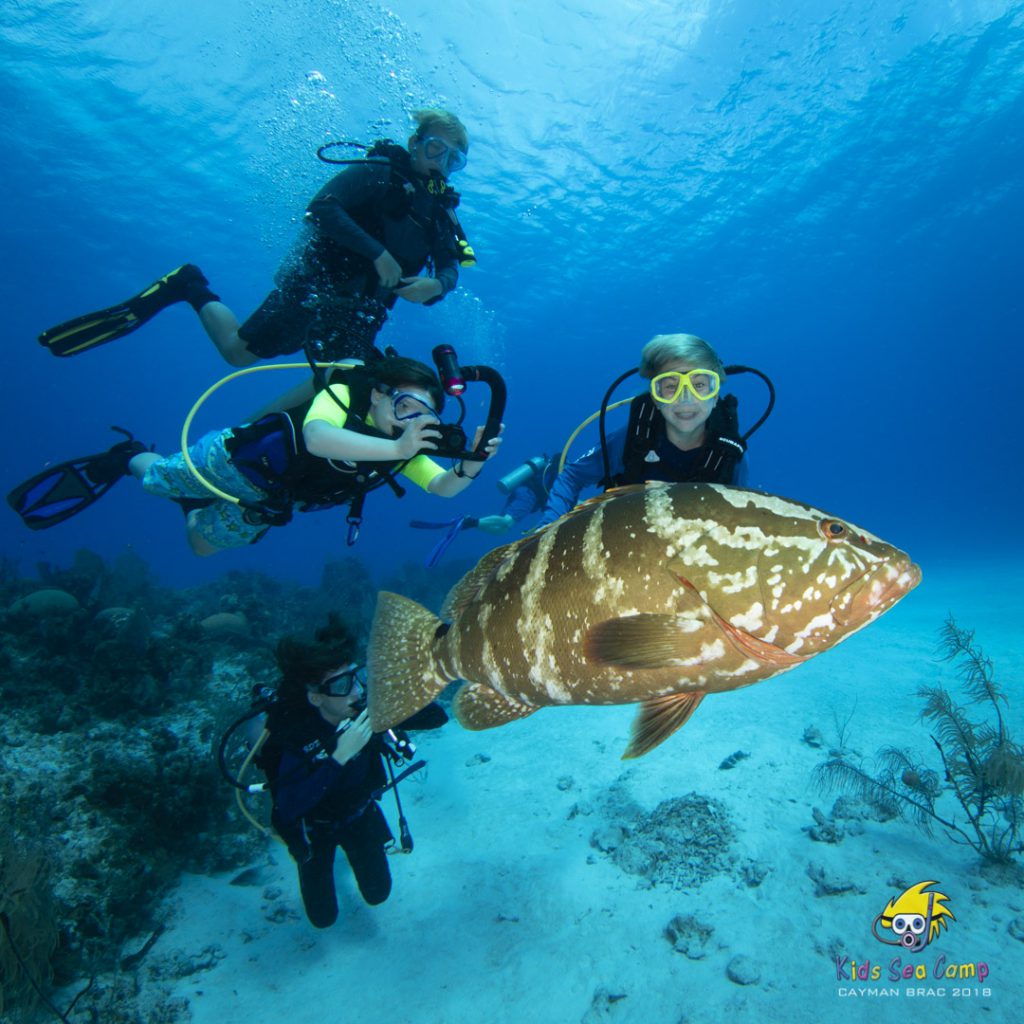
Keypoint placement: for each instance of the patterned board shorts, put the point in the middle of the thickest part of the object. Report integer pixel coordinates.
(222, 524)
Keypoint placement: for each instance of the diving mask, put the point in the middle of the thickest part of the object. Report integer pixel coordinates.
(669, 387)
(449, 158)
(409, 406)
(341, 684)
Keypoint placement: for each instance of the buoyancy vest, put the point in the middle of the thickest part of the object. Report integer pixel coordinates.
(716, 461)
(272, 453)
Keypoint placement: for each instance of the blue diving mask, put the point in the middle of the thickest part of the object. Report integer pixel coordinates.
(449, 158)
(407, 406)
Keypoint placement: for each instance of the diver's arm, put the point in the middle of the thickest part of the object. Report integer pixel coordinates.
(431, 290)
(356, 185)
(446, 274)
(300, 789)
(330, 442)
(586, 471)
(433, 716)
(521, 502)
(450, 483)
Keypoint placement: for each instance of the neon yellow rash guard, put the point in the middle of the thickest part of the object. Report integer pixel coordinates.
(420, 469)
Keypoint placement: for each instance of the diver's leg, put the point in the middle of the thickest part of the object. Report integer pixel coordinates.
(138, 465)
(184, 284)
(316, 881)
(221, 325)
(363, 842)
(220, 523)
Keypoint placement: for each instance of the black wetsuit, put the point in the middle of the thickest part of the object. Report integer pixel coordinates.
(320, 805)
(329, 291)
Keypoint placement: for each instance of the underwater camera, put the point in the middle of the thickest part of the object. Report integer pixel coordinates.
(452, 442)
(454, 379)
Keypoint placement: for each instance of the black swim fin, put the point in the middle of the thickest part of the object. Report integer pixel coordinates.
(186, 284)
(64, 490)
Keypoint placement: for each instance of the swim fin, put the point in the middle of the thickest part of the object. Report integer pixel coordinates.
(64, 490)
(186, 284)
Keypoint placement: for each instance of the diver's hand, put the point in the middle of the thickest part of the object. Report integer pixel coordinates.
(420, 434)
(492, 446)
(419, 289)
(494, 524)
(388, 270)
(353, 739)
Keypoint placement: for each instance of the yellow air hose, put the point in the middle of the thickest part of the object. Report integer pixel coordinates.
(246, 813)
(213, 488)
(590, 419)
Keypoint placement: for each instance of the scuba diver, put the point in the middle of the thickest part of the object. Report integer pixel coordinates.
(680, 430)
(526, 489)
(368, 234)
(370, 423)
(326, 770)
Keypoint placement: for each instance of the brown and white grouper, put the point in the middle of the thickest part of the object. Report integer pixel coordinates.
(657, 593)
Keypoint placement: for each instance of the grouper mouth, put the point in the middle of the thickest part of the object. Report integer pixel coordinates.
(875, 592)
(860, 602)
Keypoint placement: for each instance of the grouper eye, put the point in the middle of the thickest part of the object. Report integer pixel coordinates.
(833, 529)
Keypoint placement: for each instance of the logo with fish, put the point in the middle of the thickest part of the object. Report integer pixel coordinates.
(657, 594)
(914, 918)
(911, 921)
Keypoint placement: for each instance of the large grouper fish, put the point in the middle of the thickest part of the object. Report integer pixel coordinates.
(658, 594)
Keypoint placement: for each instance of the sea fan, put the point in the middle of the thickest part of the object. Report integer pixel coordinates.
(981, 765)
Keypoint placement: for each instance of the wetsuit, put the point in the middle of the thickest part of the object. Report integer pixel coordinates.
(329, 291)
(320, 805)
(667, 462)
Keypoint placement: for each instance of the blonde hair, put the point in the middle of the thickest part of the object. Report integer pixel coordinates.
(664, 349)
(436, 119)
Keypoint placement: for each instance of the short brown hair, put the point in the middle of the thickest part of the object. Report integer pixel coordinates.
(436, 119)
(394, 371)
(664, 349)
(302, 663)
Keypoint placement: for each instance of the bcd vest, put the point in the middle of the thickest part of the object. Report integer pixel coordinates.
(272, 453)
(717, 459)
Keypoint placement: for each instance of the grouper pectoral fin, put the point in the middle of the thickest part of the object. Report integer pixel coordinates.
(654, 641)
(479, 707)
(403, 673)
(658, 719)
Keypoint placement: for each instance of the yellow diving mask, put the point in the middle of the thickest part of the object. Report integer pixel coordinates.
(669, 387)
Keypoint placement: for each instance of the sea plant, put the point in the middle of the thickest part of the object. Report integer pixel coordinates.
(980, 767)
(28, 930)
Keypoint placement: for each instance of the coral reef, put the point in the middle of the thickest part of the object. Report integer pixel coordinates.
(113, 694)
(682, 843)
(28, 933)
(981, 768)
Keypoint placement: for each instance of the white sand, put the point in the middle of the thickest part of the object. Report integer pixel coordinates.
(506, 913)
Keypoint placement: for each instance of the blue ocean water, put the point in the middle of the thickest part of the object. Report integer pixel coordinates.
(829, 192)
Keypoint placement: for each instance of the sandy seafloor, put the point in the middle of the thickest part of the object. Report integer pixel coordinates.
(505, 912)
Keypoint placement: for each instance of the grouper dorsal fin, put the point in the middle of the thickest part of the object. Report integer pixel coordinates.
(658, 719)
(463, 593)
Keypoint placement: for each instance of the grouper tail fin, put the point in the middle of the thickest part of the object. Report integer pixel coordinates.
(403, 671)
